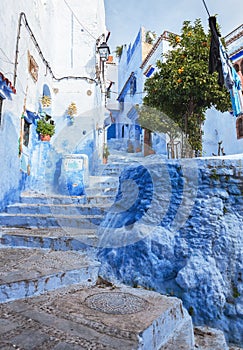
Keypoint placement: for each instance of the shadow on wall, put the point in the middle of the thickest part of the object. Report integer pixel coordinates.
(12, 180)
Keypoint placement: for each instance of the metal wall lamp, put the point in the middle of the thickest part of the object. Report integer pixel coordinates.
(104, 51)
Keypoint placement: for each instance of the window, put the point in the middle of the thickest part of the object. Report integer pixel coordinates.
(133, 86)
(1, 105)
(26, 135)
(149, 71)
(33, 67)
(239, 127)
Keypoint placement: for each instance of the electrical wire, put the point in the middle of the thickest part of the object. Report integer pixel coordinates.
(8, 59)
(22, 17)
(204, 3)
(79, 21)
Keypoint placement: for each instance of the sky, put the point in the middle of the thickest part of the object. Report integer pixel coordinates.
(125, 17)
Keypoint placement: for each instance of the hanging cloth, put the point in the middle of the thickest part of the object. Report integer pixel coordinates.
(215, 64)
(219, 62)
(231, 81)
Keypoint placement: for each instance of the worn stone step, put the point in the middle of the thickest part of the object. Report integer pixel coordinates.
(39, 198)
(64, 209)
(50, 220)
(29, 272)
(55, 239)
(113, 169)
(207, 338)
(100, 317)
(103, 181)
(92, 191)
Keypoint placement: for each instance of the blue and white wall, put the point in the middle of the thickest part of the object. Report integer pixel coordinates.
(65, 40)
(130, 87)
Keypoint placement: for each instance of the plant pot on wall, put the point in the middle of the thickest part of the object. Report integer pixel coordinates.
(45, 137)
(45, 128)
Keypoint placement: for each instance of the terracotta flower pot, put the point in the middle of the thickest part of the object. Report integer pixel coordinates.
(45, 137)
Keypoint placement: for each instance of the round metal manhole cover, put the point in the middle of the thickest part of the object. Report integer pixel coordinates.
(116, 303)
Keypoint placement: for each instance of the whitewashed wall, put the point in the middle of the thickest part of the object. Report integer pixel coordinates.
(68, 43)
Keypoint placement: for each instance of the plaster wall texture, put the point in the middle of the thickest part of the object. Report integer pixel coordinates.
(176, 228)
(220, 127)
(66, 34)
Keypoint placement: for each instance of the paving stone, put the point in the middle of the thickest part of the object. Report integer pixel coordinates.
(50, 238)
(207, 338)
(27, 272)
(97, 318)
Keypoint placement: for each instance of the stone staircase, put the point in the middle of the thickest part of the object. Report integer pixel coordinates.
(49, 275)
(56, 229)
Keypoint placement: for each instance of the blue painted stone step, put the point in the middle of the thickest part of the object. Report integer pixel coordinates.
(112, 169)
(103, 191)
(103, 182)
(42, 198)
(64, 209)
(55, 239)
(50, 220)
(31, 272)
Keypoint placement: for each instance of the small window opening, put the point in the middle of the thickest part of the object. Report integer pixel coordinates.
(239, 127)
(26, 136)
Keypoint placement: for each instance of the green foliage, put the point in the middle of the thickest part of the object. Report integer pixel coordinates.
(214, 175)
(191, 311)
(106, 152)
(118, 51)
(150, 37)
(182, 88)
(44, 127)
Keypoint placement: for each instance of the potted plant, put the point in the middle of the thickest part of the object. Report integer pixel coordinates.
(72, 110)
(106, 153)
(46, 128)
(46, 101)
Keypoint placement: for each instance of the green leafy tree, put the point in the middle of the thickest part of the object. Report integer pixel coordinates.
(182, 88)
(118, 51)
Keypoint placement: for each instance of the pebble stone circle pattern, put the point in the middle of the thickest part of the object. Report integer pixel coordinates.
(116, 303)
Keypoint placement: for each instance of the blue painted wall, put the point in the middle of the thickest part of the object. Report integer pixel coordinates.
(177, 228)
(12, 179)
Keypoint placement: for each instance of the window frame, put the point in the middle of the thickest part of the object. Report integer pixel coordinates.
(239, 127)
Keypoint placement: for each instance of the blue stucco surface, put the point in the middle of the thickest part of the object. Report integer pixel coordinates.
(196, 256)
